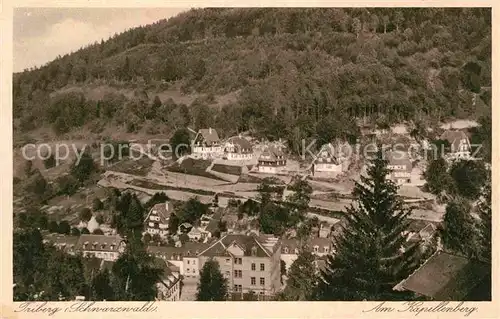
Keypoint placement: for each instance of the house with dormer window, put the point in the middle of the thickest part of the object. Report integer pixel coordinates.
(206, 144)
(101, 246)
(272, 160)
(156, 222)
(331, 160)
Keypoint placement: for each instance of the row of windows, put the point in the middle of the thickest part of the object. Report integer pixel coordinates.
(253, 280)
(262, 267)
(194, 261)
(261, 163)
(188, 271)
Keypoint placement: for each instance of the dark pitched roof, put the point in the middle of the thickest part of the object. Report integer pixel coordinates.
(168, 278)
(272, 153)
(99, 242)
(293, 243)
(399, 158)
(217, 249)
(454, 137)
(242, 145)
(247, 243)
(329, 151)
(62, 241)
(209, 135)
(163, 210)
(445, 276)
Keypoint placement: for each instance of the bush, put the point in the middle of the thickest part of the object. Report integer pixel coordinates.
(75, 231)
(99, 219)
(53, 227)
(64, 227)
(84, 231)
(50, 162)
(85, 214)
(98, 231)
(97, 204)
(66, 185)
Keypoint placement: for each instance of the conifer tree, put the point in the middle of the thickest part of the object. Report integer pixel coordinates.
(301, 279)
(212, 285)
(368, 261)
(459, 231)
(484, 209)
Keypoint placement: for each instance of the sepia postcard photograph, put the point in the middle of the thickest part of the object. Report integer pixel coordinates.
(251, 154)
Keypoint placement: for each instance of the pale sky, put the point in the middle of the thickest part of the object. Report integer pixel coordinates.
(41, 34)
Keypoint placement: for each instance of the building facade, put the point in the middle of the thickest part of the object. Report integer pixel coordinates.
(400, 165)
(101, 246)
(272, 160)
(169, 285)
(238, 148)
(249, 262)
(460, 147)
(330, 161)
(156, 222)
(206, 144)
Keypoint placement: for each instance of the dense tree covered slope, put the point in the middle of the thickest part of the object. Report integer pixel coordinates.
(292, 72)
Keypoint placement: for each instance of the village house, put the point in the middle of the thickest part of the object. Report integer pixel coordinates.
(272, 160)
(330, 161)
(238, 148)
(400, 165)
(169, 285)
(101, 246)
(185, 257)
(198, 233)
(420, 231)
(249, 262)
(460, 147)
(318, 246)
(62, 242)
(156, 222)
(206, 144)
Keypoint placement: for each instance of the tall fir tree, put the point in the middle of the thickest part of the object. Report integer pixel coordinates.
(368, 260)
(484, 209)
(212, 285)
(459, 231)
(301, 280)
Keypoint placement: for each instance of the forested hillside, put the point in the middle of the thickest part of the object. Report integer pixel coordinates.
(292, 72)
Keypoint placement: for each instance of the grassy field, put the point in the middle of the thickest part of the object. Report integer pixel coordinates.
(140, 167)
(192, 166)
(227, 169)
(151, 185)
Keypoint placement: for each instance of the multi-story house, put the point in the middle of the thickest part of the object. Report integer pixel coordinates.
(101, 246)
(63, 242)
(169, 285)
(272, 160)
(184, 257)
(330, 161)
(318, 246)
(156, 222)
(238, 148)
(249, 262)
(206, 144)
(400, 165)
(460, 147)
